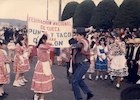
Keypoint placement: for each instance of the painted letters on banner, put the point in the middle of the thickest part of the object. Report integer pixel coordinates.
(58, 32)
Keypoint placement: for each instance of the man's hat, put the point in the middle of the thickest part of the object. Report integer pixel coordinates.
(130, 41)
(81, 31)
(137, 40)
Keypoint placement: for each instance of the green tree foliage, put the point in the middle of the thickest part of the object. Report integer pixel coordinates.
(69, 10)
(128, 14)
(104, 14)
(83, 13)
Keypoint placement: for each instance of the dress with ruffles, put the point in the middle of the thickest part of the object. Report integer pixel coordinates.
(118, 63)
(4, 74)
(43, 77)
(21, 63)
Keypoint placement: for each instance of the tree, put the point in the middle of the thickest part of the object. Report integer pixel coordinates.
(83, 13)
(128, 14)
(104, 14)
(69, 10)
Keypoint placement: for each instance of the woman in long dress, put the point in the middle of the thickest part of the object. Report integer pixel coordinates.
(21, 63)
(118, 61)
(101, 61)
(4, 70)
(43, 77)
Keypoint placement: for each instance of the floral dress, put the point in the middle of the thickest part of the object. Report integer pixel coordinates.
(118, 61)
(43, 77)
(21, 63)
(4, 73)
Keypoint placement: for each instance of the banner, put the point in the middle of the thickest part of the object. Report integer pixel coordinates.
(58, 32)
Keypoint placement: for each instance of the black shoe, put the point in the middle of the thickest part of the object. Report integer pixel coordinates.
(4, 95)
(112, 81)
(89, 96)
(1, 98)
(79, 99)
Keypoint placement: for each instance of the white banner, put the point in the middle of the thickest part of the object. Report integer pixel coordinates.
(58, 32)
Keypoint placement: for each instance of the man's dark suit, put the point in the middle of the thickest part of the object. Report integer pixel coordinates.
(132, 64)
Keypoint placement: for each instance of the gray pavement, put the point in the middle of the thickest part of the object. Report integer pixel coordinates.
(102, 89)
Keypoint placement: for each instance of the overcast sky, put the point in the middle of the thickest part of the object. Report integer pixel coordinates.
(18, 9)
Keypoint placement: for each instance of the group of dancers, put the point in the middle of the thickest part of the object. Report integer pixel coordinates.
(106, 55)
(19, 57)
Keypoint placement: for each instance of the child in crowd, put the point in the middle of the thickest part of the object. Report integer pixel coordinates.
(21, 63)
(11, 49)
(93, 52)
(65, 55)
(101, 61)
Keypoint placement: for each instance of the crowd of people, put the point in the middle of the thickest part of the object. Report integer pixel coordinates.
(111, 54)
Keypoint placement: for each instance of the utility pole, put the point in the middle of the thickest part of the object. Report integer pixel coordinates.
(47, 11)
(57, 50)
(59, 13)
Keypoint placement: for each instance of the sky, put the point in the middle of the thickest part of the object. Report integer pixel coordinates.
(19, 9)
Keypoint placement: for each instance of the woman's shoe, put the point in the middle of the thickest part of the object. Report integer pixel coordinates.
(21, 82)
(83, 77)
(118, 86)
(16, 83)
(90, 77)
(101, 77)
(1, 93)
(25, 80)
(106, 76)
(112, 79)
(36, 97)
(122, 78)
(97, 77)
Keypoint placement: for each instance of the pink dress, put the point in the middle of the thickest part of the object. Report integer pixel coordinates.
(20, 61)
(4, 75)
(26, 54)
(42, 79)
